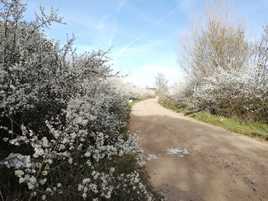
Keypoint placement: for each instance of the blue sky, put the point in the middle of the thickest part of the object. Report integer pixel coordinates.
(145, 36)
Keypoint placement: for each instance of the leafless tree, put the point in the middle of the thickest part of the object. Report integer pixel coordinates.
(218, 46)
(161, 84)
(261, 57)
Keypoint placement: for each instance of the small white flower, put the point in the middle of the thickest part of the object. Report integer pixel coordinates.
(44, 173)
(88, 163)
(44, 197)
(86, 180)
(62, 147)
(80, 187)
(32, 179)
(19, 173)
(5, 139)
(43, 181)
(70, 161)
(49, 190)
(84, 195)
(45, 142)
(112, 169)
(38, 152)
(30, 186)
(21, 180)
(49, 161)
(121, 153)
(108, 195)
(87, 154)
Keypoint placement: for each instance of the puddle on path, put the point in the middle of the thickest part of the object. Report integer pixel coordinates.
(178, 151)
(151, 157)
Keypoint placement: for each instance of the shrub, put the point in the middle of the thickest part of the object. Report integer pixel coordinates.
(61, 116)
(218, 45)
(232, 93)
(225, 75)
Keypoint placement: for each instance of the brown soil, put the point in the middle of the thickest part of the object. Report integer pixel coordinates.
(220, 165)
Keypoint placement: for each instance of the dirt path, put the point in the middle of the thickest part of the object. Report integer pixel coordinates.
(219, 166)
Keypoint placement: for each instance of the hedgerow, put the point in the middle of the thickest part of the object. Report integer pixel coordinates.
(61, 117)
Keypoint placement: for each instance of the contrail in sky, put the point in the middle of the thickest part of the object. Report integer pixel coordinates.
(157, 22)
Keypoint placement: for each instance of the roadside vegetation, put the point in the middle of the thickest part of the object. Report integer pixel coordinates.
(137, 94)
(63, 119)
(254, 129)
(227, 79)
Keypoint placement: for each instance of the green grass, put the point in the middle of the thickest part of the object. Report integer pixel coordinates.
(170, 104)
(124, 129)
(255, 129)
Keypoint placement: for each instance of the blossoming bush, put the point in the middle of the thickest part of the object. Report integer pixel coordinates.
(61, 117)
(242, 93)
(231, 93)
(233, 82)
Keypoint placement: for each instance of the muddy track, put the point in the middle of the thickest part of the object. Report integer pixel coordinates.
(192, 161)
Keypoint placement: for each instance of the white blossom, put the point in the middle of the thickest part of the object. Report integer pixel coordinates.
(70, 115)
(19, 173)
(44, 197)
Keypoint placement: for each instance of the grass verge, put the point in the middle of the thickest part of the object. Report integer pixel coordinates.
(254, 129)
